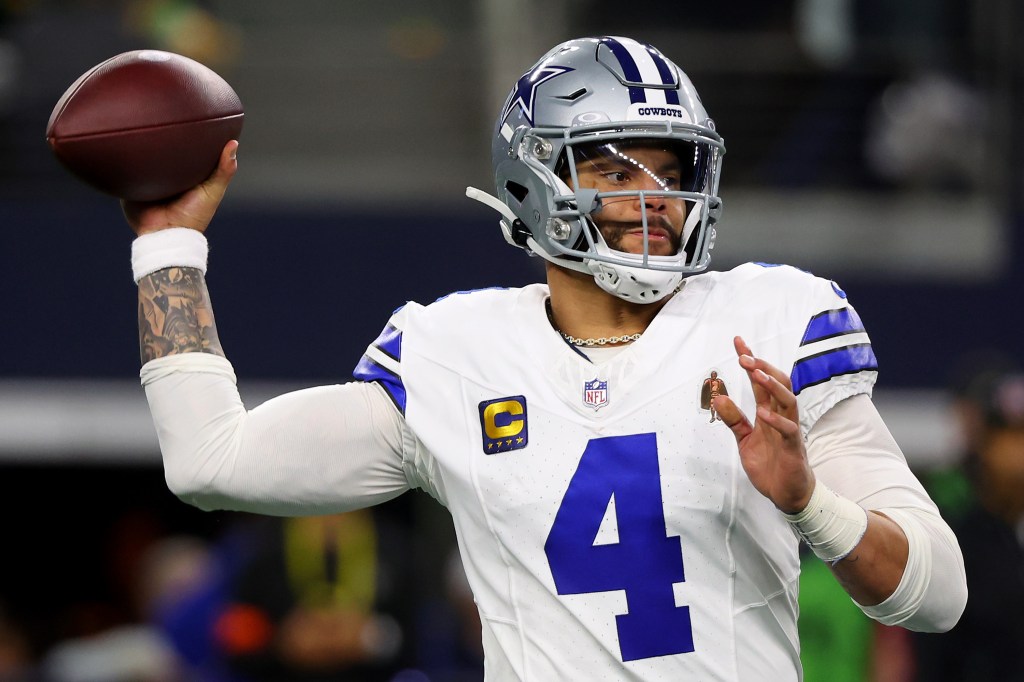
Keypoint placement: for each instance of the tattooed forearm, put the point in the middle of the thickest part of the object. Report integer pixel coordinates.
(175, 315)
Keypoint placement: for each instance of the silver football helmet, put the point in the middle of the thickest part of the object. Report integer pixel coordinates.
(578, 114)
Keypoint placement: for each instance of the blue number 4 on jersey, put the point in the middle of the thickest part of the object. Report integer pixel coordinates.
(645, 562)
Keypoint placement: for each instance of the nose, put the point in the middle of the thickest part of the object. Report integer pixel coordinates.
(652, 202)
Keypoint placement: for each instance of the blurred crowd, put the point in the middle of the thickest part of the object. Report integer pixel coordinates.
(266, 599)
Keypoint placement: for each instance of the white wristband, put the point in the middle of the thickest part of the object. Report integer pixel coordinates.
(179, 247)
(831, 525)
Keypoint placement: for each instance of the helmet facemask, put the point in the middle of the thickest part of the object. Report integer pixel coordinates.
(631, 207)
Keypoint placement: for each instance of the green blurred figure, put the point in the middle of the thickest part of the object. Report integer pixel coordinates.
(835, 636)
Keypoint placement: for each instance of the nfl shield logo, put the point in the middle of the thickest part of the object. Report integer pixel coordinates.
(595, 393)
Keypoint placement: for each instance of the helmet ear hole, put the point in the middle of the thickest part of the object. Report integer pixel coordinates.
(517, 190)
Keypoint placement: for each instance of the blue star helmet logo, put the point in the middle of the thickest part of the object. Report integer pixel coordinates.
(525, 90)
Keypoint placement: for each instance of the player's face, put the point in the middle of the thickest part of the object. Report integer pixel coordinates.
(633, 167)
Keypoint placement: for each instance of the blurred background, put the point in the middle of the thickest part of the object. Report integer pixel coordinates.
(879, 143)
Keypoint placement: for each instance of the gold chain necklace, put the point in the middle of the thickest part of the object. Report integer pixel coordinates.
(603, 341)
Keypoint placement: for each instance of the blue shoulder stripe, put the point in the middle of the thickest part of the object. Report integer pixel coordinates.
(832, 323)
(821, 367)
(390, 342)
(368, 370)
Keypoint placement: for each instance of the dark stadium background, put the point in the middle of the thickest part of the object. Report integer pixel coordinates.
(363, 128)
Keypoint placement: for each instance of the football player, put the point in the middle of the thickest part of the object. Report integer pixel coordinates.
(610, 525)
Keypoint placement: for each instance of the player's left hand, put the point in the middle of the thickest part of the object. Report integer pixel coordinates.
(772, 448)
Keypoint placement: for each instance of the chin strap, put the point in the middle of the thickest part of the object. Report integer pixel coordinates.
(527, 241)
(508, 218)
(629, 283)
(492, 201)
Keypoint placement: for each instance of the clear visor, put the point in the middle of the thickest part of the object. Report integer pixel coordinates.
(650, 164)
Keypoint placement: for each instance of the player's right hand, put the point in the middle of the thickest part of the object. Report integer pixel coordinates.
(193, 209)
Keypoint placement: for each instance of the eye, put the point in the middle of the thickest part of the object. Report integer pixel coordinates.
(670, 181)
(616, 177)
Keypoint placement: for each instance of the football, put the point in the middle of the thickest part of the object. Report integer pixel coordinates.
(144, 125)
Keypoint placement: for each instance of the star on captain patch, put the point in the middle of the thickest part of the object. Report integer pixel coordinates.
(595, 393)
(712, 387)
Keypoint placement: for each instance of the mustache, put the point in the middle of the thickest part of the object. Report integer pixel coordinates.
(614, 231)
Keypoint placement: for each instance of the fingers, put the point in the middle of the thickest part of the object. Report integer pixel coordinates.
(763, 365)
(750, 364)
(741, 346)
(781, 398)
(773, 394)
(766, 378)
(789, 428)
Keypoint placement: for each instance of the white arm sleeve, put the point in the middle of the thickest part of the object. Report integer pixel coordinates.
(852, 452)
(315, 451)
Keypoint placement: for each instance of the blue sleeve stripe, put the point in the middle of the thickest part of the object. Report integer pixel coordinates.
(819, 368)
(390, 343)
(368, 370)
(832, 323)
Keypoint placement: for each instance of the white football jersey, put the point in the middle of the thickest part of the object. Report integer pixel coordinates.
(606, 525)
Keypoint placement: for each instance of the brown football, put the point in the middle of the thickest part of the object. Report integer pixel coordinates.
(144, 125)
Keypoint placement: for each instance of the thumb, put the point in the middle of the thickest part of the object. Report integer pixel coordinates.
(196, 208)
(733, 417)
(217, 184)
